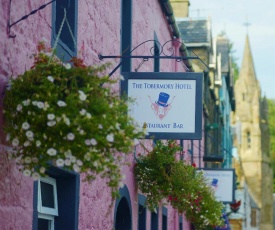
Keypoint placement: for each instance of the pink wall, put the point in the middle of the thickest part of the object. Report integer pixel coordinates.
(99, 25)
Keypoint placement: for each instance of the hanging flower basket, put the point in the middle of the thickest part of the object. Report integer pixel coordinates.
(161, 177)
(68, 117)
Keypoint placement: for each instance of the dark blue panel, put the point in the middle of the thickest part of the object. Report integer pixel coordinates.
(154, 221)
(126, 33)
(164, 218)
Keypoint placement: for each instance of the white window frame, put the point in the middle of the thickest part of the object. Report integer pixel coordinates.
(45, 210)
(47, 217)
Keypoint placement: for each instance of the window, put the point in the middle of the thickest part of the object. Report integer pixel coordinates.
(154, 220)
(141, 212)
(56, 201)
(248, 139)
(66, 44)
(164, 218)
(253, 217)
(47, 203)
(180, 223)
(123, 210)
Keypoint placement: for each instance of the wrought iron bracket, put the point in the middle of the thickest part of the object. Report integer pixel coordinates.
(9, 24)
(161, 54)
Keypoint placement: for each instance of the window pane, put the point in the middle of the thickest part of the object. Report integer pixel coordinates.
(66, 36)
(47, 195)
(44, 224)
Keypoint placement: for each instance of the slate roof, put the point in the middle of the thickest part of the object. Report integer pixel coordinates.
(223, 48)
(195, 31)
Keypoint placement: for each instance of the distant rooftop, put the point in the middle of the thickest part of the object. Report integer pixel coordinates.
(197, 31)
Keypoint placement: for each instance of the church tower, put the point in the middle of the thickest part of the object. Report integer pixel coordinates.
(254, 150)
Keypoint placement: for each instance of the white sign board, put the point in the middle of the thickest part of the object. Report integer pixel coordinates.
(222, 181)
(167, 103)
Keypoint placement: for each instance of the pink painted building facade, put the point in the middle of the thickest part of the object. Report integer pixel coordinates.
(106, 27)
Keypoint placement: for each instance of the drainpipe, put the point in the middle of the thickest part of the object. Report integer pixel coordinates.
(168, 10)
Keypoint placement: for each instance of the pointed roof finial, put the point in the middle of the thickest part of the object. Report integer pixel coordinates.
(246, 24)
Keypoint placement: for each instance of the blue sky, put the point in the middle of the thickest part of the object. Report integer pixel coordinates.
(230, 16)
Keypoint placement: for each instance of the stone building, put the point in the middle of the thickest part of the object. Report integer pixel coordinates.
(251, 112)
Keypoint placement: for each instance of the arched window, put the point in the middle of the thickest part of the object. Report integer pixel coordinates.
(123, 210)
(248, 140)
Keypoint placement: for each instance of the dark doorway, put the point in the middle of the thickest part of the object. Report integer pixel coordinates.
(123, 216)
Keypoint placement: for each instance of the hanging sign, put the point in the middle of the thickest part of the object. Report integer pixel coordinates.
(222, 181)
(168, 105)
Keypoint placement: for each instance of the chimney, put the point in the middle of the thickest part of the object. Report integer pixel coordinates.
(180, 8)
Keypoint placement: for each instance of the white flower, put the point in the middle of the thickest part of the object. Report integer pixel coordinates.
(46, 106)
(136, 141)
(15, 142)
(19, 107)
(70, 136)
(27, 172)
(73, 159)
(34, 103)
(67, 66)
(51, 123)
(8, 137)
(51, 151)
(95, 164)
(38, 143)
(100, 126)
(25, 125)
(118, 126)
(79, 162)
(66, 119)
(42, 170)
(60, 162)
(76, 168)
(81, 132)
(29, 134)
(26, 143)
(82, 95)
(121, 185)
(50, 78)
(26, 102)
(110, 137)
(67, 162)
(87, 142)
(50, 116)
(61, 103)
(40, 105)
(88, 115)
(82, 112)
(27, 160)
(93, 142)
(35, 176)
(35, 160)
(68, 153)
(87, 156)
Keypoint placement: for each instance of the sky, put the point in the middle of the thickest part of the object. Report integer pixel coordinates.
(231, 16)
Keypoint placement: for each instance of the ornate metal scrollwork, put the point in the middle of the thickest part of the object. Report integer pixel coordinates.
(9, 25)
(162, 52)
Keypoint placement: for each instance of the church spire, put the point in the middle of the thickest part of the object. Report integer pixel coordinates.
(247, 69)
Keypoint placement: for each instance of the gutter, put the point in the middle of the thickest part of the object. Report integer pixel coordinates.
(169, 13)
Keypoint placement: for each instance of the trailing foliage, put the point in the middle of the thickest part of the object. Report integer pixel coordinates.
(161, 177)
(68, 117)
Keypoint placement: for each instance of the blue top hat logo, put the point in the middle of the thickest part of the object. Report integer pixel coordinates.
(214, 182)
(163, 98)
